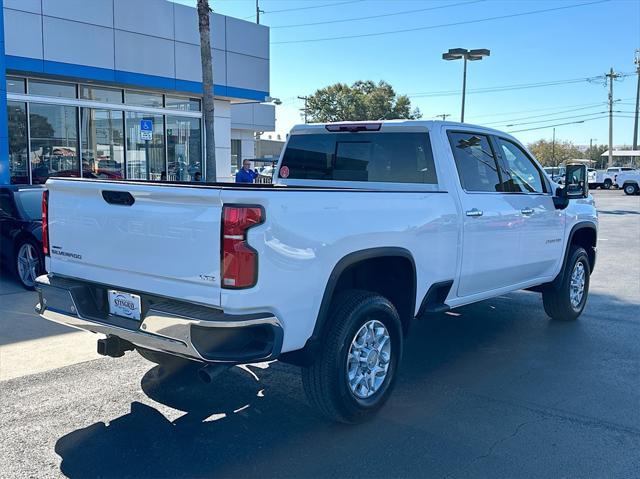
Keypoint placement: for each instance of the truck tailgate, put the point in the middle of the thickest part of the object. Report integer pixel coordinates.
(167, 242)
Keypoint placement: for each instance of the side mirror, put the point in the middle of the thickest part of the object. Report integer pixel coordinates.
(575, 181)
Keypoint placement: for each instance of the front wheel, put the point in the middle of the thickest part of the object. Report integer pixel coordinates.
(630, 189)
(29, 263)
(356, 368)
(567, 301)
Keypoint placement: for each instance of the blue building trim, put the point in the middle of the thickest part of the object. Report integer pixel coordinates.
(4, 131)
(83, 72)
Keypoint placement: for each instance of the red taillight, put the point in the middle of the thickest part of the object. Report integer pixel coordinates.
(239, 260)
(45, 222)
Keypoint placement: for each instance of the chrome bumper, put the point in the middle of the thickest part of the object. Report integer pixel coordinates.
(170, 326)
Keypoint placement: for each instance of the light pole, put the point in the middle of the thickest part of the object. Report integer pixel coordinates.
(466, 55)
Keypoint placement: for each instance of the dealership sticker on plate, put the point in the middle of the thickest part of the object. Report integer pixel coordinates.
(284, 172)
(124, 304)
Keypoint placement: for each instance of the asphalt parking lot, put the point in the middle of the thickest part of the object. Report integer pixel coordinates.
(489, 390)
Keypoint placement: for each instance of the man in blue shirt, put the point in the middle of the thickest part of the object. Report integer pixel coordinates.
(246, 174)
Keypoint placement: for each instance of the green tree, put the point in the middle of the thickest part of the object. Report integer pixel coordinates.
(552, 155)
(364, 100)
(594, 153)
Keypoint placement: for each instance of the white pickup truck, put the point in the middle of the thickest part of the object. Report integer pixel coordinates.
(629, 181)
(366, 227)
(607, 178)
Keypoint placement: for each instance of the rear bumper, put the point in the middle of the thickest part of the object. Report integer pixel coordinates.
(171, 326)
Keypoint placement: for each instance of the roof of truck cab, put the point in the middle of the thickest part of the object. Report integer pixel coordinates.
(428, 124)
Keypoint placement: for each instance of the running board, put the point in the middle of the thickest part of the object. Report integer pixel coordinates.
(434, 300)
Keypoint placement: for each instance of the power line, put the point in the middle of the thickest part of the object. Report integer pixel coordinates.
(335, 4)
(517, 86)
(559, 124)
(504, 122)
(557, 119)
(355, 19)
(431, 27)
(536, 109)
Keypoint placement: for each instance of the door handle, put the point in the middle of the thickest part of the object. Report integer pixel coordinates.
(474, 212)
(526, 211)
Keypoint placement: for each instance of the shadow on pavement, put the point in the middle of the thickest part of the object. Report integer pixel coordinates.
(256, 421)
(17, 307)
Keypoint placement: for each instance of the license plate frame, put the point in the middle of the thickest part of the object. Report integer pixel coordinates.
(124, 305)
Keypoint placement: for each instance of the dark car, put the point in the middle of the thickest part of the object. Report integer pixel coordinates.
(21, 232)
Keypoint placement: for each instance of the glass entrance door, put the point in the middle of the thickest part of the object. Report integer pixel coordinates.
(145, 148)
(102, 143)
(184, 148)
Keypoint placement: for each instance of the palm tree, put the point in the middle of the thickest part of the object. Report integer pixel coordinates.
(207, 86)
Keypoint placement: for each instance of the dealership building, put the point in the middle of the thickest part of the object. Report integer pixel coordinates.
(112, 89)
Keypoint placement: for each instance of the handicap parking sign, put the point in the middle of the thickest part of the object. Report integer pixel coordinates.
(146, 130)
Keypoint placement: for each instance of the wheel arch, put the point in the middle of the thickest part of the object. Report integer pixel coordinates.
(363, 269)
(585, 234)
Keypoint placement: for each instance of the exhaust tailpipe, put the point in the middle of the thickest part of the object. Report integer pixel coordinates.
(208, 373)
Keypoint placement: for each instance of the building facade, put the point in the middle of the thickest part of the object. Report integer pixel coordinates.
(112, 89)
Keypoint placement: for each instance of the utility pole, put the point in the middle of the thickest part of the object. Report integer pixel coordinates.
(635, 123)
(258, 12)
(444, 116)
(304, 110)
(611, 77)
(553, 149)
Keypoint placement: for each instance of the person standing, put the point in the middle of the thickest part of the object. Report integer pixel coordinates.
(246, 174)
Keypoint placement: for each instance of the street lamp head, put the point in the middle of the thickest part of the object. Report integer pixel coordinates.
(455, 54)
(480, 52)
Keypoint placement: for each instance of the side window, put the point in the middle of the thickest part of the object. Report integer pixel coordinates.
(521, 175)
(6, 205)
(476, 163)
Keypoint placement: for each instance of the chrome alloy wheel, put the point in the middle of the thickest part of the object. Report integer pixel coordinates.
(576, 289)
(28, 264)
(368, 360)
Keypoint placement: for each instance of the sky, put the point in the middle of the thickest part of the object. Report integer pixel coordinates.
(559, 56)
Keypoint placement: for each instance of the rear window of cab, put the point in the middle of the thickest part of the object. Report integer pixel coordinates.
(388, 157)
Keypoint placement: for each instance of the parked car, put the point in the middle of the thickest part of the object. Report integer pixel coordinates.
(21, 232)
(592, 175)
(629, 181)
(367, 226)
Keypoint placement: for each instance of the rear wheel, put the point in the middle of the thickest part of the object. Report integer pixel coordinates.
(567, 301)
(356, 369)
(630, 189)
(29, 263)
(607, 184)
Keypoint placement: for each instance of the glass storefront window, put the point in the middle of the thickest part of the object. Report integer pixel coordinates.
(102, 143)
(182, 103)
(138, 98)
(18, 152)
(236, 156)
(54, 141)
(49, 88)
(184, 147)
(15, 85)
(145, 158)
(106, 95)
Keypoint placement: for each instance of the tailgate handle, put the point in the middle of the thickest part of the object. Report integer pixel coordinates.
(118, 197)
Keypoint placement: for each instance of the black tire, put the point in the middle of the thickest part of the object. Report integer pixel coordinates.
(557, 301)
(27, 281)
(326, 380)
(607, 184)
(630, 189)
